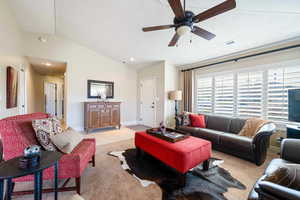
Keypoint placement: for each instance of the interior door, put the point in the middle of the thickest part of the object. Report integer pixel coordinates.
(148, 96)
(51, 98)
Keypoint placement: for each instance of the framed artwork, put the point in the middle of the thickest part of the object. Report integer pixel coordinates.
(97, 89)
(11, 87)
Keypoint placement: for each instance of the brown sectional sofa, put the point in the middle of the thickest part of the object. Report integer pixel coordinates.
(223, 133)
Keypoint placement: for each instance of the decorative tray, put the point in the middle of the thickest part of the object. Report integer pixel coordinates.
(170, 135)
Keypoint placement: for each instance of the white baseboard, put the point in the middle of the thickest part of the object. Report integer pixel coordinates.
(129, 123)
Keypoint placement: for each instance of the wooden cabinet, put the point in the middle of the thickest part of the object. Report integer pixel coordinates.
(101, 115)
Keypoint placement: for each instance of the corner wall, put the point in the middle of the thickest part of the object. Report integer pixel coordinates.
(84, 64)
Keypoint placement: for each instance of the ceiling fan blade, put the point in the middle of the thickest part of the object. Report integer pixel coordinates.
(174, 40)
(203, 33)
(156, 28)
(177, 8)
(221, 8)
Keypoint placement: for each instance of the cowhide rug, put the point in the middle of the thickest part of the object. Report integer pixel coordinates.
(200, 185)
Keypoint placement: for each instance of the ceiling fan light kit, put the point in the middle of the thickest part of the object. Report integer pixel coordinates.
(182, 30)
(184, 20)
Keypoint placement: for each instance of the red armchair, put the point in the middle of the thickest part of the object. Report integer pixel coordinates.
(17, 133)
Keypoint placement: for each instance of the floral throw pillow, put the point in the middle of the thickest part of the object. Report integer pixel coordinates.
(57, 127)
(186, 119)
(43, 130)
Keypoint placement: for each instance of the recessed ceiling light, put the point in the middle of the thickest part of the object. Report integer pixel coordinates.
(132, 59)
(230, 42)
(47, 64)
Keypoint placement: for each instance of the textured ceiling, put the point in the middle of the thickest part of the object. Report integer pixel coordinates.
(113, 27)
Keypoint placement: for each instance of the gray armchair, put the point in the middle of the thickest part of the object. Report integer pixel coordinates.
(264, 190)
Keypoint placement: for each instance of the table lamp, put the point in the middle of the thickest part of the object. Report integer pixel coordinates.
(175, 96)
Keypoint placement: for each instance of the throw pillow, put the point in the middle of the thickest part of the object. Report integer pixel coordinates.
(57, 126)
(67, 141)
(186, 119)
(43, 130)
(287, 176)
(252, 126)
(197, 120)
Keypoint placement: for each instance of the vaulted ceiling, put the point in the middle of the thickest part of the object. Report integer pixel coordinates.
(114, 27)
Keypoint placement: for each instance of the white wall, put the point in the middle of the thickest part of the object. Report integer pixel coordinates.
(10, 55)
(171, 83)
(84, 64)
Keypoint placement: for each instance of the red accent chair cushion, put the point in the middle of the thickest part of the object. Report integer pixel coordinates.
(197, 120)
(182, 156)
(17, 133)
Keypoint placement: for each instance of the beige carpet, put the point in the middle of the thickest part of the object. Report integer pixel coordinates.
(109, 136)
(108, 181)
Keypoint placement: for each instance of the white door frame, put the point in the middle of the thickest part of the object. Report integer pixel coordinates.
(155, 97)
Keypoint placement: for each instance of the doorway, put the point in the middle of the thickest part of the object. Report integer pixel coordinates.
(50, 92)
(148, 102)
(46, 85)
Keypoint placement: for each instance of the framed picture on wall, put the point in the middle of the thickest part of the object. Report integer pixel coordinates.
(11, 87)
(100, 89)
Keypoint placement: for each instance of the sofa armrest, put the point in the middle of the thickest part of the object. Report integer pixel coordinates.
(290, 149)
(261, 142)
(278, 191)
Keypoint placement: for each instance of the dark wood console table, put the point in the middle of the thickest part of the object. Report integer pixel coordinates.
(101, 115)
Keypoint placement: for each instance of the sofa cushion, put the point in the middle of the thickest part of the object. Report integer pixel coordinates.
(197, 120)
(236, 125)
(208, 134)
(218, 123)
(233, 141)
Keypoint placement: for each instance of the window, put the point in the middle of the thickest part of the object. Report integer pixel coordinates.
(224, 98)
(279, 82)
(204, 94)
(261, 92)
(249, 94)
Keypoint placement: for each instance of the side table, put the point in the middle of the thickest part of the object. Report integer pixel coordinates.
(10, 169)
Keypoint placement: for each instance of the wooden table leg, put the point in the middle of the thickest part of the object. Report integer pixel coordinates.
(206, 165)
(182, 179)
(9, 189)
(55, 180)
(38, 185)
(1, 188)
(138, 152)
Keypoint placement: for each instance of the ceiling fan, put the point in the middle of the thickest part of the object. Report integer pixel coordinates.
(184, 20)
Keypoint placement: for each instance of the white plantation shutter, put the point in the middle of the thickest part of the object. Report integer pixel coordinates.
(258, 92)
(204, 96)
(249, 94)
(279, 82)
(224, 95)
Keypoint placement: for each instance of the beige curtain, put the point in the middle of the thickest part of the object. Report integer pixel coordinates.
(188, 90)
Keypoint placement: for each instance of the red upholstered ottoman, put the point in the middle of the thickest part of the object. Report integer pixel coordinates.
(182, 156)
